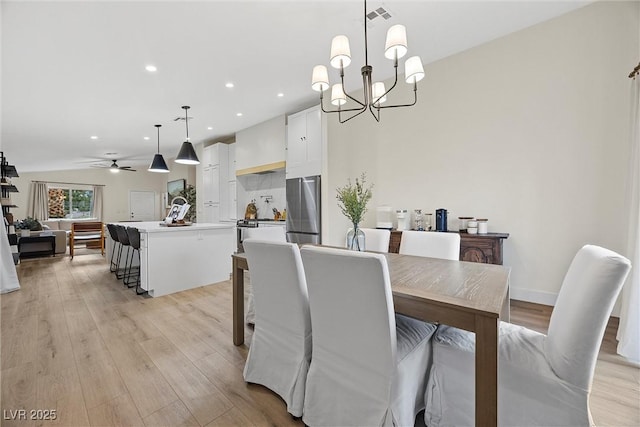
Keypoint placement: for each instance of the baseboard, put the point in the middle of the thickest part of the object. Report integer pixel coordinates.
(529, 295)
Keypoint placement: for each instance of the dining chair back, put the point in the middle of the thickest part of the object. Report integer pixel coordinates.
(542, 379)
(272, 234)
(281, 345)
(369, 366)
(375, 239)
(430, 244)
(579, 318)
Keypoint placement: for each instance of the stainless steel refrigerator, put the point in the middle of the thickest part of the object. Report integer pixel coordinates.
(303, 210)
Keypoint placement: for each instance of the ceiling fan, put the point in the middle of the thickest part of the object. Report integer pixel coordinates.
(115, 168)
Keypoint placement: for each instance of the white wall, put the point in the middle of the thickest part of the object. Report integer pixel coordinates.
(256, 187)
(530, 131)
(116, 188)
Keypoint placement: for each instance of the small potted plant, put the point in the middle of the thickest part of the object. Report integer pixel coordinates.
(352, 201)
(27, 225)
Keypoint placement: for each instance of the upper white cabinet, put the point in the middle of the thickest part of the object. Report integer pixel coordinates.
(261, 147)
(231, 184)
(232, 162)
(215, 188)
(212, 154)
(305, 141)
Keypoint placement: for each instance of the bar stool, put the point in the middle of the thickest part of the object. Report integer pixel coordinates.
(134, 240)
(123, 238)
(115, 261)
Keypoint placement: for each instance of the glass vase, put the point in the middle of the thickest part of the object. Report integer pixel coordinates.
(355, 239)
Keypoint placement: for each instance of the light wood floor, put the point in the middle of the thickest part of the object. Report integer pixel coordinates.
(76, 340)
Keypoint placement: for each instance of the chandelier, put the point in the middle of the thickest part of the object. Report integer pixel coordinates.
(374, 93)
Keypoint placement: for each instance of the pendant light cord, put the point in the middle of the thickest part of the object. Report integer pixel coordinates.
(366, 49)
(158, 127)
(186, 119)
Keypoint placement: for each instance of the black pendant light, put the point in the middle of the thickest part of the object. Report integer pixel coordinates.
(187, 155)
(158, 164)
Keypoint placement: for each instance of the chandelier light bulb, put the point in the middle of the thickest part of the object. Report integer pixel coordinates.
(337, 95)
(396, 44)
(377, 90)
(320, 78)
(340, 52)
(413, 70)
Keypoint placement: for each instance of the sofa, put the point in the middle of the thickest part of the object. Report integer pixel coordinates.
(61, 229)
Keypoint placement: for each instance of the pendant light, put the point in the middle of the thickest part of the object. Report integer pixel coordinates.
(158, 164)
(187, 155)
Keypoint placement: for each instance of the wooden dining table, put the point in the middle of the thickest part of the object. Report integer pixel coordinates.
(467, 295)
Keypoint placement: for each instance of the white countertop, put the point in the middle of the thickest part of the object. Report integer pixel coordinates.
(155, 227)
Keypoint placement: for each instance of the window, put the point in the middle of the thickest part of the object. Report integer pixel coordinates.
(70, 203)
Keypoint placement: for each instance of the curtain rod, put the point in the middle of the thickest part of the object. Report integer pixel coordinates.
(635, 71)
(69, 183)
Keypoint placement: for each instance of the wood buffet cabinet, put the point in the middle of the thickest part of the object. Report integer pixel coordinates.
(484, 248)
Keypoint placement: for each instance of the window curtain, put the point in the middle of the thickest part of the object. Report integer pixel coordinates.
(38, 204)
(96, 212)
(629, 328)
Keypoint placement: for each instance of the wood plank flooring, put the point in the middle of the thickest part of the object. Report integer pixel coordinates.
(74, 339)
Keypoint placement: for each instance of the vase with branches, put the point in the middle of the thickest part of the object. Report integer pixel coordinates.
(352, 201)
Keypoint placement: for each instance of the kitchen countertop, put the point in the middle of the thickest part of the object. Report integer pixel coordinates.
(155, 227)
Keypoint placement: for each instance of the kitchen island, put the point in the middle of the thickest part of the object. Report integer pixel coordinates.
(174, 259)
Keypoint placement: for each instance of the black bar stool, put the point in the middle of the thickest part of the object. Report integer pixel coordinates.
(123, 238)
(115, 260)
(134, 241)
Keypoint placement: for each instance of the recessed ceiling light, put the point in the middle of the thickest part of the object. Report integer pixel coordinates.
(280, 95)
(151, 68)
(146, 138)
(239, 114)
(209, 128)
(94, 137)
(229, 85)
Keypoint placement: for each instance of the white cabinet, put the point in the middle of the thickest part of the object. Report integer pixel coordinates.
(305, 142)
(214, 192)
(214, 155)
(232, 162)
(233, 201)
(211, 213)
(211, 184)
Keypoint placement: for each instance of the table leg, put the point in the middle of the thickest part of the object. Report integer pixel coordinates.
(486, 371)
(238, 303)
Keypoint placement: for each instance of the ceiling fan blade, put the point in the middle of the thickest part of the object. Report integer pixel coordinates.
(127, 168)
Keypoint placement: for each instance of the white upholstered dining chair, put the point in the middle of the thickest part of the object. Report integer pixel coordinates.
(369, 366)
(281, 345)
(543, 380)
(375, 239)
(430, 244)
(272, 234)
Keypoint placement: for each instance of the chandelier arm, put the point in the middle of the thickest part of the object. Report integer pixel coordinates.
(336, 111)
(362, 110)
(415, 100)
(371, 107)
(395, 82)
(349, 96)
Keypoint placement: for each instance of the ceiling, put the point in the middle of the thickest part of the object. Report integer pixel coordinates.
(72, 70)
